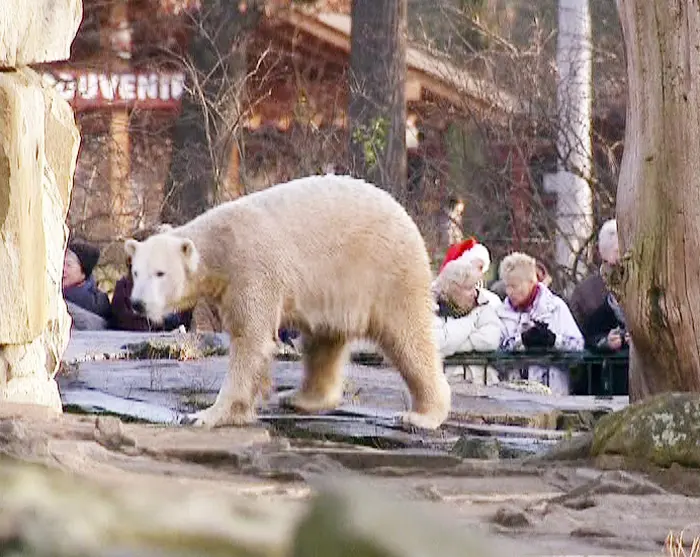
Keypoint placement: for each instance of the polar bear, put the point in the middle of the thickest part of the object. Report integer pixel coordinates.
(334, 256)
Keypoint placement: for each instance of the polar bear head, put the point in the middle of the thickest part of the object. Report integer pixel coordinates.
(162, 268)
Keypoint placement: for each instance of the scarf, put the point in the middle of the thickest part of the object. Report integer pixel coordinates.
(447, 308)
(526, 306)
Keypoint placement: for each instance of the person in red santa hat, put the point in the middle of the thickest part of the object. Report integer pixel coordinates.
(470, 250)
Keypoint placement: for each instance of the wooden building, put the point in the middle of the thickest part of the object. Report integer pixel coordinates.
(294, 123)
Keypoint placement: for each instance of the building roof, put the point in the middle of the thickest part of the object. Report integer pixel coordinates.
(426, 72)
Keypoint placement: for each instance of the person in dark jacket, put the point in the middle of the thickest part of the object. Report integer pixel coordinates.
(87, 304)
(124, 318)
(600, 316)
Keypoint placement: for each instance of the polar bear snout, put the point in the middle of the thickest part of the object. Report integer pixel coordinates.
(138, 306)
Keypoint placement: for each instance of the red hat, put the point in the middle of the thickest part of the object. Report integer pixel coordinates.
(457, 250)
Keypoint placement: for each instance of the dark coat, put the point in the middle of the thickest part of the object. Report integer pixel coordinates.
(593, 310)
(597, 313)
(124, 317)
(89, 297)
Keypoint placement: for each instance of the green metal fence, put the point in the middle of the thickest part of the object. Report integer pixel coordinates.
(576, 362)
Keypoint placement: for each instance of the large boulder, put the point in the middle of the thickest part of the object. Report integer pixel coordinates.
(351, 518)
(37, 30)
(39, 143)
(661, 430)
(50, 512)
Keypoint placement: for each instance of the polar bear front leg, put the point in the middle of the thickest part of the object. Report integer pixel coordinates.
(248, 370)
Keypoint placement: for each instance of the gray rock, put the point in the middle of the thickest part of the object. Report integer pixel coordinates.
(46, 512)
(109, 433)
(477, 447)
(351, 519)
(661, 430)
(511, 517)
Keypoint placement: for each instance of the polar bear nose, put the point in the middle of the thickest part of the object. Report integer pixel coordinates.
(138, 306)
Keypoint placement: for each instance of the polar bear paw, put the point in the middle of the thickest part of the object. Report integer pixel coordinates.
(217, 417)
(304, 402)
(421, 421)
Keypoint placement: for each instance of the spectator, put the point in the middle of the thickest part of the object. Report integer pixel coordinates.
(123, 316)
(476, 254)
(599, 315)
(535, 319)
(498, 287)
(470, 248)
(543, 274)
(87, 304)
(455, 215)
(466, 319)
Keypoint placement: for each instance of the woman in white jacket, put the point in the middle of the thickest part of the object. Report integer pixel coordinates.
(466, 319)
(535, 318)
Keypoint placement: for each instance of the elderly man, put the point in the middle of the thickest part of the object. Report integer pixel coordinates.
(598, 313)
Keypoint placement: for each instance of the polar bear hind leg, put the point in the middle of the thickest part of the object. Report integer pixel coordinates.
(324, 356)
(414, 354)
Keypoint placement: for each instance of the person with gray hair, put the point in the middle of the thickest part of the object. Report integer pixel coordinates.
(599, 314)
(608, 242)
(534, 318)
(466, 319)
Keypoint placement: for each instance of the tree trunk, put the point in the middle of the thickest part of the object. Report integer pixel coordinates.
(658, 202)
(206, 129)
(377, 108)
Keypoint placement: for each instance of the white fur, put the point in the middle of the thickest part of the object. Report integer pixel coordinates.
(334, 256)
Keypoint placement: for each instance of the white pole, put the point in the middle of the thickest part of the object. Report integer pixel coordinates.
(574, 100)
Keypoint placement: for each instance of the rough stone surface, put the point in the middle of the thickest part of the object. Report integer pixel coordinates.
(37, 31)
(71, 515)
(662, 430)
(510, 517)
(23, 254)
(476, 447)
(348, 519)
(174, 483)
(39, 143)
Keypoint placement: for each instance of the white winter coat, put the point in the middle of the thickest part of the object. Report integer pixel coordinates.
(552, 310)
(478, 331)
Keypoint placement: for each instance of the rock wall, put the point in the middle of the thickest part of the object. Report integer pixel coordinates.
(39, 143)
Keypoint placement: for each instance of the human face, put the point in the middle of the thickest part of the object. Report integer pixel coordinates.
(464, 297)
(518, 289)
(72, 271)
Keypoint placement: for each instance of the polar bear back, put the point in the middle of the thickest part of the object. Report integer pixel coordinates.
(331, 250)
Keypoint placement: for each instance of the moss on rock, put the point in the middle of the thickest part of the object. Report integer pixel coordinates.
(662, 430)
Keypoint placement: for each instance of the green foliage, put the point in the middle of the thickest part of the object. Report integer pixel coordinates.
(373, 139)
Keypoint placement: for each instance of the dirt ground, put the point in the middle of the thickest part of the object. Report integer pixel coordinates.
(526, 505)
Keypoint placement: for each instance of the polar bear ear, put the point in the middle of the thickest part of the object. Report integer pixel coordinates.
(189, 254)
(130, 247)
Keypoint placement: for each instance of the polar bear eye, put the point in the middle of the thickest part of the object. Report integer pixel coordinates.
(135, 274)
(160, 274)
